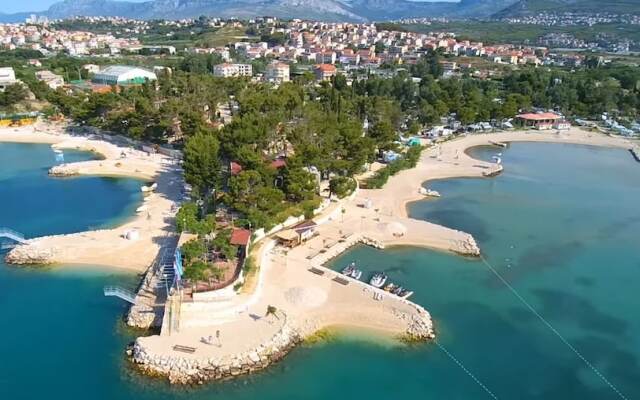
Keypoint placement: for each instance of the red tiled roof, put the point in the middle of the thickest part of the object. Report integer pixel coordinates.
(326, 67)
(235, 168)
(240, 237)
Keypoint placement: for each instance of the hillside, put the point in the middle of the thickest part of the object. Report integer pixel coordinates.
(531, 7)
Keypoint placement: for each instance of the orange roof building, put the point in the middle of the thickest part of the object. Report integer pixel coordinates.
(324, 72)
(540, 121)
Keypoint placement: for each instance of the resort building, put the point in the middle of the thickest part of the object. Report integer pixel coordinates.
(7, 77)
(123, 75)
(277, 72)
(50, 79)
(540, 121)
(298, 234)
(324, 72)
(227, 70)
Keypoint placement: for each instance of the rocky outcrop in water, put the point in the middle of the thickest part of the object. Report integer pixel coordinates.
(30, 254)
(468, 247)
(63, 170)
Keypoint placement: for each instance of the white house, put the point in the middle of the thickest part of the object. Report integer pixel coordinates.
(227, 70)
(277, 72)
(52, 80)
(7, 77)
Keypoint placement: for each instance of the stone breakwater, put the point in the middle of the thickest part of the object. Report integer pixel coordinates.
(190, 370)
(63, 170)
(467, 247)
(31, 254)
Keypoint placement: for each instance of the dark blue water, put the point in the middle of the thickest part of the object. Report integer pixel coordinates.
(561, 225)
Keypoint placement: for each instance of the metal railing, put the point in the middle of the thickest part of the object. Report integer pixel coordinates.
(13, 235)
(122, 293)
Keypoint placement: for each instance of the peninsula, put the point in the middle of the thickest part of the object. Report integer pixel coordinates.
(308, 296)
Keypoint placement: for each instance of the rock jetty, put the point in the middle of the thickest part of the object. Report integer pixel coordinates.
(187, 370)
(30, 254)
(63, 170)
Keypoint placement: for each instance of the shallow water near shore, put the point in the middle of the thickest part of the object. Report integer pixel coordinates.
(561, 225)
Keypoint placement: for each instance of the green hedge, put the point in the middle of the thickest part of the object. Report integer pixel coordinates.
(408, 160)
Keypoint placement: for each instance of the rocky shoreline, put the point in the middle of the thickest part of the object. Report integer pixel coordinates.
(64, 170)
(189, 370)
(186, 370)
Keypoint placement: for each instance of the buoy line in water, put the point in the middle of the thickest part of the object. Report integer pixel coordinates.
(553, 329)
(455, 360)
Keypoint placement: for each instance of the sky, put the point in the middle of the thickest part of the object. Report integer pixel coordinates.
(12, 6)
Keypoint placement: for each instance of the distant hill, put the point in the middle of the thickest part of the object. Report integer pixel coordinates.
(328, 10)
(532, 7)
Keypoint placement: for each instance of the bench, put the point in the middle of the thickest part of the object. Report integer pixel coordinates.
(340, 280)
(316, 271)
(184, 349)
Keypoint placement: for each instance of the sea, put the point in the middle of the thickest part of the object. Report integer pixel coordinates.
(551, 310)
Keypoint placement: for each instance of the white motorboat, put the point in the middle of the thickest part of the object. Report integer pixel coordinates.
(429, 192)
(378, 279)
(356, 274)
(348, 270)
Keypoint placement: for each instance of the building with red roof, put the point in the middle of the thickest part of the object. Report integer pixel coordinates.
(234, 168)
(541, 121)
(324, 72)
(240, 237)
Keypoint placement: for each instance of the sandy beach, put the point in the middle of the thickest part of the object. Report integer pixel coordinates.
(450, 160)
(107, 247)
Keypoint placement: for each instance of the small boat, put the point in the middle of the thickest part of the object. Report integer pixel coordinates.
(500, 144)
(149, 188)
(356, 274)
(348, 270)
(429, 192)
(497, 159)
(404, 293)
(390, 287)
(57, 151)
(378, 279)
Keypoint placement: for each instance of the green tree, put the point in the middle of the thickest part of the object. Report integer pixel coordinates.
(201, 162)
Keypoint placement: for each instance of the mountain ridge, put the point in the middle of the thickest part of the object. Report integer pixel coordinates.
(531, 7)
(329, 10)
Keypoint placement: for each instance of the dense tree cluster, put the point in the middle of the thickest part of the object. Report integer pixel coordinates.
(283, 140)
(12, 95)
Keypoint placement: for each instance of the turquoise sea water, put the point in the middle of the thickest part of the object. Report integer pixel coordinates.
(561, 225)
